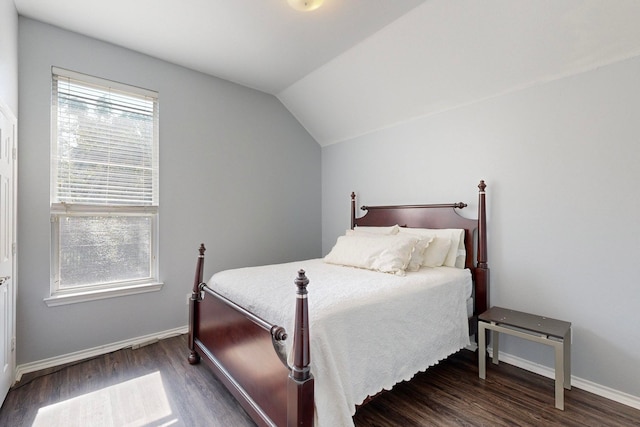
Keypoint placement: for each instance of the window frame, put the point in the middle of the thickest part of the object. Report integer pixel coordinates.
(60, 210)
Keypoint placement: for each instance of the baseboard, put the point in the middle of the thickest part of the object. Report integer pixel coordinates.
(586, 385)
(97, 351)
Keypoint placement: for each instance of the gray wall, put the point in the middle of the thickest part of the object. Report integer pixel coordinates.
(237, 172)
(561, 161)
(9, 55)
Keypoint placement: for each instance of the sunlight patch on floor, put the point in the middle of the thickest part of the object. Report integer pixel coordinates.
(134, 403)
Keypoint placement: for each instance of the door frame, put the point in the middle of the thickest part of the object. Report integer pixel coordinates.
(4, 108)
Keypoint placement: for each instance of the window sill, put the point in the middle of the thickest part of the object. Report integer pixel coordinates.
(72, 298)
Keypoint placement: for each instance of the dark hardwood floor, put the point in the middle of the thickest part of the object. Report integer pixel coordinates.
(155, 386)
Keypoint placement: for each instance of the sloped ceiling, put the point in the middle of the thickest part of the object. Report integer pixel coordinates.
(356, 66)
(447, 53)
(263, 44)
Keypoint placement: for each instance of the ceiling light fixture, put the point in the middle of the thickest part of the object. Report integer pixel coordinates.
(305, 5)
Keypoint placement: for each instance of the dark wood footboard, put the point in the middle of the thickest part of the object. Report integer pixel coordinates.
(247, 354)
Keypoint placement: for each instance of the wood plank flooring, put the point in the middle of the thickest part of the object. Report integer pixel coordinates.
(155, 386)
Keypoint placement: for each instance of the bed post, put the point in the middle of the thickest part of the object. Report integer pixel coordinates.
(193, 305)
(353, 209)
(482, 268)
(300, 392)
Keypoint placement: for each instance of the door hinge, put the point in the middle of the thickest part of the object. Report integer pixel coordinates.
(14, 153)
(13, 343)
(13, 249)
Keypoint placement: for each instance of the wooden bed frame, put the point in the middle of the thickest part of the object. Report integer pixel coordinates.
(247, 353)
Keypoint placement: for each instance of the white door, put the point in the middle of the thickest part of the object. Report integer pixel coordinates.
(8, 128)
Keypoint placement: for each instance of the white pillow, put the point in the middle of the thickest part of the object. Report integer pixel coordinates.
(462, 255)
(378, 230)
(456, 245)
(385, 253)
(417, 257)
(436, 253)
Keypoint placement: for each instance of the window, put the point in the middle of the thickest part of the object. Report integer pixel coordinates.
(104, 189)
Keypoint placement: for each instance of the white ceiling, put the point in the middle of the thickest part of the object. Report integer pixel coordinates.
(356, 66)
(262, 44)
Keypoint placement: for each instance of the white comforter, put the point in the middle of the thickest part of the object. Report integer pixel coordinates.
(369, 330)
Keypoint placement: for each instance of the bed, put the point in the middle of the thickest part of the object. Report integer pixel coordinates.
(354, 331)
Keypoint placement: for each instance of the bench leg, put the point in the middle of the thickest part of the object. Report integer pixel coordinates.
(560, 354)
(567, 360)
(495, 346)
(482, 350)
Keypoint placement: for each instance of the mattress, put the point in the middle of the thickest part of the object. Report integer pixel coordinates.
(369, 330)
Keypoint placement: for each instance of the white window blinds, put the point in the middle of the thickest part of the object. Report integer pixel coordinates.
(105, 143)
(104, 188)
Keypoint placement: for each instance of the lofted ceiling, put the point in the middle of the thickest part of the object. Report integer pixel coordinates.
(262, 44)
(356, 66)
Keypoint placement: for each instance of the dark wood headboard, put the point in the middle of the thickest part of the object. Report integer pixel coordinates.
(441, 216)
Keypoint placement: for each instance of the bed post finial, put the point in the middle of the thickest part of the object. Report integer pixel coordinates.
(199, 269)
(301, 353)
(353, 209)
(482, 226)
(300, 384)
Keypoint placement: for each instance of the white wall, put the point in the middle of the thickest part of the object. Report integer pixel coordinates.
(561, 163)
(9, 55)
(237, 172)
